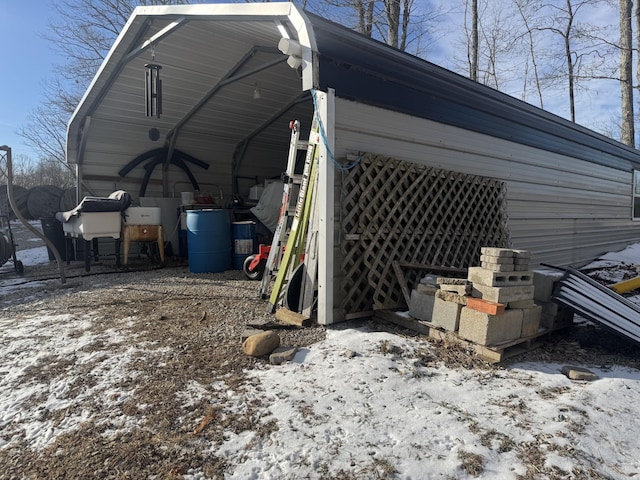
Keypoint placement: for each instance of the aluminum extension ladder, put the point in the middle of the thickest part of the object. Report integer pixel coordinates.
(289, 239)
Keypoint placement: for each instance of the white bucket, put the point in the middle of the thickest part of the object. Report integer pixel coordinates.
(187, 198)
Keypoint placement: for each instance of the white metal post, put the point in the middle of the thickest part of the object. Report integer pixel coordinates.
(326, 202)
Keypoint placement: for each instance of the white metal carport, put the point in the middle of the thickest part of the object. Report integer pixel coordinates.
(570, 190)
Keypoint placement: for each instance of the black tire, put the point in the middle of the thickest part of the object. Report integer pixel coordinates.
(253, 274)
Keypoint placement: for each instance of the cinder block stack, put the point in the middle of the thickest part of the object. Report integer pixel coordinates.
(503, 306)
(449, 300)
(422, 299)
(553, 315)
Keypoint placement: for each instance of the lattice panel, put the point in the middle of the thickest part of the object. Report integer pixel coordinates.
(395, 210)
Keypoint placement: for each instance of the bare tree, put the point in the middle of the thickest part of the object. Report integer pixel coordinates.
(491, 42)
(399, 23)
(583, 53)
(29, 173)
(526, 10)
(473, 56)
(627, 134)
(46, 126)
(364, 10)
(83, 33)
(392, 9)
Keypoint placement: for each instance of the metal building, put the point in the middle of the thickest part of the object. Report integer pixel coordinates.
(228, 94)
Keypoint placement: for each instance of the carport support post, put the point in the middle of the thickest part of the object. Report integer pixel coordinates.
(326, 200)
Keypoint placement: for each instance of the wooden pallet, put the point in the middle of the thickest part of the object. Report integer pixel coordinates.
(492, 354)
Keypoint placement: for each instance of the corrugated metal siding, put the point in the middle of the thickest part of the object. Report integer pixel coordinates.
(370, 72)
(566, 211)
(109, 149)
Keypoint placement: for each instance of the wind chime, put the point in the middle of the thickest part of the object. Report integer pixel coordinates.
(152, 87)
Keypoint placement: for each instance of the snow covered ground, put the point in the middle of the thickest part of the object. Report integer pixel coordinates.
(360, 404)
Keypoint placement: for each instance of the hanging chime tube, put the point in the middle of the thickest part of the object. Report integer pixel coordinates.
(152, 90)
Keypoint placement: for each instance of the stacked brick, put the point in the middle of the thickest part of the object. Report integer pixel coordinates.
(496, 303)
(500, 301)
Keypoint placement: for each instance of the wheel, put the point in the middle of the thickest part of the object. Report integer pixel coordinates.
(255, 274)
(292, 290)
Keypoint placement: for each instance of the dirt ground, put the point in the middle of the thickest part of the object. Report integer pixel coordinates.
(197, 323)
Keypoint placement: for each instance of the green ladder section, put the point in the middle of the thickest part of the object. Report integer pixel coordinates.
(297, 234)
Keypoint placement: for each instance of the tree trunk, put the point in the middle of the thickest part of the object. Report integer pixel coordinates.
(627, 134)
(522, 6)
(567, 51)
(406, 17)
(393, 18)
(370, 8)
(359, 6)
(473, 54)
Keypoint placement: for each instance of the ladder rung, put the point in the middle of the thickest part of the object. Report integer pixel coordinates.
(302, 145)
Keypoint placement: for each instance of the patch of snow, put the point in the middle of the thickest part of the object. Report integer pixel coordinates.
(629, 255)
(40, 375)
(336, 413)
(33, 256)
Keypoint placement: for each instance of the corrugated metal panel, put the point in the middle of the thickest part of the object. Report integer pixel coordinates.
(599, 304)
(562, 217)
(372, 73)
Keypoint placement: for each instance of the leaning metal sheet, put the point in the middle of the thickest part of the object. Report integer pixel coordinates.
(599, 304)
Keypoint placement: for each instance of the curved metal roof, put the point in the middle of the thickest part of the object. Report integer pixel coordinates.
(214, 56)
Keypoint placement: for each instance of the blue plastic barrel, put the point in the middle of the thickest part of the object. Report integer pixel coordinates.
(208, 240)
(244, 242)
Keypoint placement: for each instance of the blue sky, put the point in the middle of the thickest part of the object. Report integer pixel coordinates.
(25, 60)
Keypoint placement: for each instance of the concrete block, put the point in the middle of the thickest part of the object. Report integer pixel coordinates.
(521, 255)
(497, 252)
(530, 321)
(521, 261)
(549, 308)
(446, 314)
(545, 281)
(499, 279)
(486, 329)
(503, 294)
(563, 318)
(498, 267)
(427, 289)
(451, 297)
(529, 303)
(451, 281)
(500, 260)
(457, 289)
(461, 286)
(421, 305)
(521, 268)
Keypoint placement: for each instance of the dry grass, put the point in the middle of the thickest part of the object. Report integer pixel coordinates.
(472, 463)
(182, 337)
